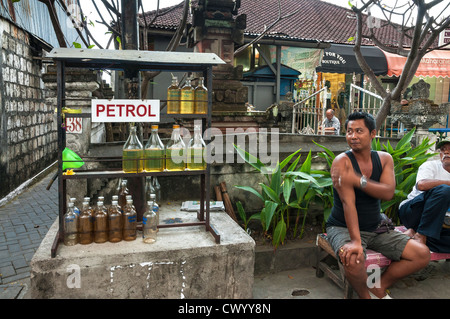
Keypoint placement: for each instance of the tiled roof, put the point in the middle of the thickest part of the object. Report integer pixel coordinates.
(314, 20)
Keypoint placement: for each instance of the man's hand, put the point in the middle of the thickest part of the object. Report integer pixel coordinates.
(351, 253)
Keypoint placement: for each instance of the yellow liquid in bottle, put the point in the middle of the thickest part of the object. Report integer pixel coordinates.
(154, 160)
(132, 161)
(175, 159)
(201, 101)
(187, 100)
(173, 99)
(196, 160)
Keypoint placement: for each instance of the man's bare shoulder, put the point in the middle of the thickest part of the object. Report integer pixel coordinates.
(385, 157)
(341, 159)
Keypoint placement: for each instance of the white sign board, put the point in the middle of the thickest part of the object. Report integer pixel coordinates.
(125, 110)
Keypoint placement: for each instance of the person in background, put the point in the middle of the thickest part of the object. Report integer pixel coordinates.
(361, 179)
(423, 212)
(331, 124)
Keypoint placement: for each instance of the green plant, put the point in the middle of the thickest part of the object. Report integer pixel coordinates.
(283, 191)
(406, 164)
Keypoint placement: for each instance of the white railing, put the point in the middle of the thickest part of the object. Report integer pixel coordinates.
(361, 99)
(309, 113)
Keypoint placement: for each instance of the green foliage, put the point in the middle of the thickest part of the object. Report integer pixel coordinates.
(288, 187)
(406, 164)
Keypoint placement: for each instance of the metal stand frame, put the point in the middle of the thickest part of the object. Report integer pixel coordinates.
(121, 60)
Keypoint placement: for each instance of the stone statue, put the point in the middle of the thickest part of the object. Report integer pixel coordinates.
(420, 90)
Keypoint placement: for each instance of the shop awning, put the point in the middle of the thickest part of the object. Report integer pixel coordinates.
(340, 58)
(435, 63)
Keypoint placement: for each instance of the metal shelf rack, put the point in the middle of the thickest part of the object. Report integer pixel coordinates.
(123, 60)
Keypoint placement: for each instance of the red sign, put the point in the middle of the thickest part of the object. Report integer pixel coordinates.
(125, 110)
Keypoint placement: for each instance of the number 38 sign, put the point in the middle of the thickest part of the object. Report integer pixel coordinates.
(74, 125)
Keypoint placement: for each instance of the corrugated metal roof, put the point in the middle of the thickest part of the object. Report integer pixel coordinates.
(33, 16)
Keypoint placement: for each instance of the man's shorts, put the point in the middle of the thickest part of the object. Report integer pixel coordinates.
(391, 244)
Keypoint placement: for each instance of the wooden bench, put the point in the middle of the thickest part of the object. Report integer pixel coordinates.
(327, 262)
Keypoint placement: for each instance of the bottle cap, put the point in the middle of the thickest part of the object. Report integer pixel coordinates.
(176, 126)
(70, 204)
(129, 197)
(129, 201)
(99, 203)
(152, 196)
(114, 202)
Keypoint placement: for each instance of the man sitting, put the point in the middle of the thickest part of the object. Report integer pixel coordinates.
(331, 124)
(423, 212)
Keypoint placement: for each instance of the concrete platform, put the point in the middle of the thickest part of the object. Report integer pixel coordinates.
(184, 263)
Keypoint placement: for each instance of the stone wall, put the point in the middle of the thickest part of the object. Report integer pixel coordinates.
(28, 138)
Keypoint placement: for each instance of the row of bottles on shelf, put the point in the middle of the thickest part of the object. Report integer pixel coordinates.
(155, 157)
(187, 100)
(114, 223)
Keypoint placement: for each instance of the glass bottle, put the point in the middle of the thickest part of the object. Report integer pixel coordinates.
(86, 224)
(201, 98)
(114, 223)
(155, 207)
(175, 151)
(129, 221)
(100, 223)
(187, 98)
(149, 224)
(149, 189)
(196, 150)
(75, 208)
(173, 97)
(123, 192)
(132, 153)
(71, 220)
(157, 189)
(154, 152)
(130, 197)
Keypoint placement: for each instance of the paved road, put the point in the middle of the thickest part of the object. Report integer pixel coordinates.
(24, 221)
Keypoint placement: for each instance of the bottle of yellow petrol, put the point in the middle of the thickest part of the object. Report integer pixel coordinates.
(187, 98)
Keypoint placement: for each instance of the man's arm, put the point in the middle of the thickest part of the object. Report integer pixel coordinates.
(385, 188)
(341, 167)
(427, 184)
(428, 177)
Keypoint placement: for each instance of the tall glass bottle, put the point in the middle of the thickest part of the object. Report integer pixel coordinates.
(175, 158)
(149, 224)
(86, 228)
(154, 152)
(155, 206)
(71, 220)
(196, 151)
(132, 153)
(114, 223)
(173, 97)
(157, 189)
(129, 221)
(187, 98)
(201, 98)
(123, 193)
(100, 223)
(75, 208)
